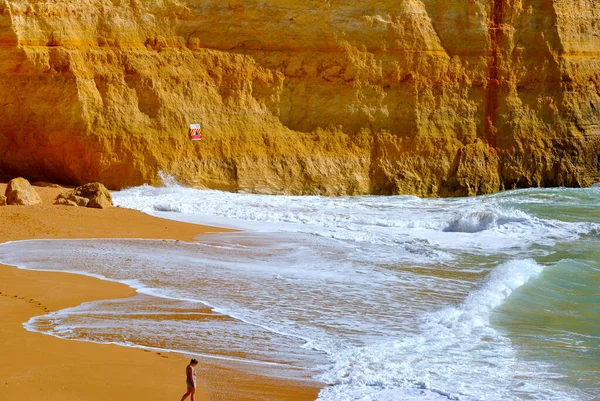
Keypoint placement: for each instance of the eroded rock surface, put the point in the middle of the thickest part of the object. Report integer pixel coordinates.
(93, 195)
(428, 97)
(20, 192)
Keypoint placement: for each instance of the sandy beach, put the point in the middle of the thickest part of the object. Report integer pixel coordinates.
(39, 367)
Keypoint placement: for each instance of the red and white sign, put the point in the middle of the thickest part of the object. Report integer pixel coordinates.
(195, 132)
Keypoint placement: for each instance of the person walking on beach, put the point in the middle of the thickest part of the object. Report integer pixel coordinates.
(190, 380)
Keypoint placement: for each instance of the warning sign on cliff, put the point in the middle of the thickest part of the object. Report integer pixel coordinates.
(195, 132)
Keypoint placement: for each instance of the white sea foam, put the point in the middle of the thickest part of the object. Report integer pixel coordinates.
(437, 227)
(381, 298)
(475, 221)
(455, 355)
(378, 347)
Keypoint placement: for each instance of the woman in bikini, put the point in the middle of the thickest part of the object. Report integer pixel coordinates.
(190, 380)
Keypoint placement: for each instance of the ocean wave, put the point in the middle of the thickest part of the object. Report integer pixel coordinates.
(456, 354)
(481, 220)
(294, 289)
(399, 224)
(476, 310)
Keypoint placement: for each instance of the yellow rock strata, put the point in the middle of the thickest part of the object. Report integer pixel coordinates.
(426, 97)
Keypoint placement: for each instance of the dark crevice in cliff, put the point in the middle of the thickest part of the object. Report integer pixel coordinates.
(495, 34)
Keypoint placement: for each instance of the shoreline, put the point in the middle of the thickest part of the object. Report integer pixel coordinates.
(44, 366)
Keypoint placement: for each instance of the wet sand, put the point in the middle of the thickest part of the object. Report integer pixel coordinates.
(40, 367)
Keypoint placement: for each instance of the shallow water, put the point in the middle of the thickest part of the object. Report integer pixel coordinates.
(382, 298)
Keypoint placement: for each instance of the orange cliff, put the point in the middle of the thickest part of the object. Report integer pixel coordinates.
(426, 97)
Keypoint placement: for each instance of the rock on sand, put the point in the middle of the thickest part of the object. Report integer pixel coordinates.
(91, 195)
(20, 192)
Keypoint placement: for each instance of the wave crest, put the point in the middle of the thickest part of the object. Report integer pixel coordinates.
(168, 180)
(482, 220)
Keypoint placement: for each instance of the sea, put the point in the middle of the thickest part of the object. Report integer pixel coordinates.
(494, 297)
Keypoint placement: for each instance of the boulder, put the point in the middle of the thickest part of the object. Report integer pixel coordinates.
(91, 195)
(100, 202)
(70, 199)
(2, 200)
(78, 200)
(20, 192)
(63, 199)
(97, 193)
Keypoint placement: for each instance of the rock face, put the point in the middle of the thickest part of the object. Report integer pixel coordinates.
(2, 200)
(89, 195)
(20, 192)
(428, 97)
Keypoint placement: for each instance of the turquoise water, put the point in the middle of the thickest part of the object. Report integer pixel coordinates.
(556, 318)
